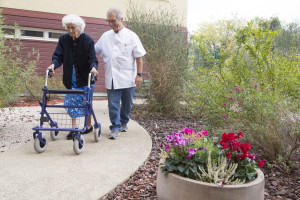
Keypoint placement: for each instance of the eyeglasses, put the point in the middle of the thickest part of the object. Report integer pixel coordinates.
(111, 21)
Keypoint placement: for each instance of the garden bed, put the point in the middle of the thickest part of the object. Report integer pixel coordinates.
(142, 185)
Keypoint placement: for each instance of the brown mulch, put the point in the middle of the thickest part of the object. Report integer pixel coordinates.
(142, 184)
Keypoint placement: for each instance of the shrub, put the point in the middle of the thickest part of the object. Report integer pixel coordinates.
(167, 50)
(249, 87)
(17, 69)
(14, 67)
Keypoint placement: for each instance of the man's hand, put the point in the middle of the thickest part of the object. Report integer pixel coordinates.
(94, 71)
(51, 67)
(138, 80)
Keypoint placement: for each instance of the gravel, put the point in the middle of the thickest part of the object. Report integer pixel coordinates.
(13, 131)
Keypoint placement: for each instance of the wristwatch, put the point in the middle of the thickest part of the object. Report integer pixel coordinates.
(140, 74)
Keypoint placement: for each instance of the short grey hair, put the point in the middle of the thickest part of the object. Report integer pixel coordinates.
(117, 11)
(74, 19)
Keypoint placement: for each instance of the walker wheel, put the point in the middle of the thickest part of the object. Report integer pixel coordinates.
(77, 146)
(97, 134)
(38, 146)
(54, 135)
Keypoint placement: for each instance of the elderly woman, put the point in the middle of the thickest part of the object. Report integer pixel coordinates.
(75, 50)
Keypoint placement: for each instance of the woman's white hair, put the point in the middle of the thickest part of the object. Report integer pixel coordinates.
(117, 11)
(74, 19)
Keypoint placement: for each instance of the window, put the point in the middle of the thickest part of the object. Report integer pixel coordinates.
(54, 35)
(32, 33)
(8, 31)
(28, 33)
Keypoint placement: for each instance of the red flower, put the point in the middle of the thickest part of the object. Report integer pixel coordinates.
(228, 155)
(240, 135)
(261, 164)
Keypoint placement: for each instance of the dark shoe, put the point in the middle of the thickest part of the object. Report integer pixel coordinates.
(70, 135)
(88, 130)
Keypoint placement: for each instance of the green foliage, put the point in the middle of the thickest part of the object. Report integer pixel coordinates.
(16, 69)
(166, 45)
(250, 58)
(184, 167)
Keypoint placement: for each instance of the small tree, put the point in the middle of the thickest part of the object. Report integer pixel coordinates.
(165, 41)
(14, 67)
(17, 71)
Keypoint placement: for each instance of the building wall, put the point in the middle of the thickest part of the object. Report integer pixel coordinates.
(45, 14)
(92, 8)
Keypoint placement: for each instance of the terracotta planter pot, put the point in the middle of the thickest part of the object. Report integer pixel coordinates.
(171, 186)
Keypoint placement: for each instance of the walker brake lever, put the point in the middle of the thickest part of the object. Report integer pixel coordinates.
(93, 79)
(50, 73)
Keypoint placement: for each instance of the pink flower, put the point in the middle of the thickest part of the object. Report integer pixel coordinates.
(167, 147)
(235, 86)
(191, 152)
(294, 158)
(224, 115)
(187, 131)
(224, 104)
(255, 85)
(243, 90)
(205, 132)
(230, 98)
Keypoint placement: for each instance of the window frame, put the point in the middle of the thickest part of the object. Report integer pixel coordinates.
(44, 38)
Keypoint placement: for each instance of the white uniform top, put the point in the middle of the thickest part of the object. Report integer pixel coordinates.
(119, 51)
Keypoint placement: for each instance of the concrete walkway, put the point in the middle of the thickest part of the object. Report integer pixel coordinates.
(58, 173)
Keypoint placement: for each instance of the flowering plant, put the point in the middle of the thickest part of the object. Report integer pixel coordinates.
(197, 156)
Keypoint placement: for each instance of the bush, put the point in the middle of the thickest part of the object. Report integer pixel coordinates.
(166, 45)
(17, 69)
(248, 87)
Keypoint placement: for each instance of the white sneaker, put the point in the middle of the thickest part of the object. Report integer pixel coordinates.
(124, 128)
(114, 134)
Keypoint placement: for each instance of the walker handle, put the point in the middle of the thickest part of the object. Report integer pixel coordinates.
(92, 79)
(48, 74)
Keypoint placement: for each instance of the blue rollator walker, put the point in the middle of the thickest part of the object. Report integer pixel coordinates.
(41, 140)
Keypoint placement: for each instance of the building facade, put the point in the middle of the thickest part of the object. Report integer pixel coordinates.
(39, 23)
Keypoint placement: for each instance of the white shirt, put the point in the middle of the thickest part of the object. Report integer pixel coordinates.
(119, 51)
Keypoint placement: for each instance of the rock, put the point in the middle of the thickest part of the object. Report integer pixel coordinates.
(281, 193)
(275, 183)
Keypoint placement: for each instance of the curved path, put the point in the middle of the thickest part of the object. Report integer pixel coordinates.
(58, 173)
